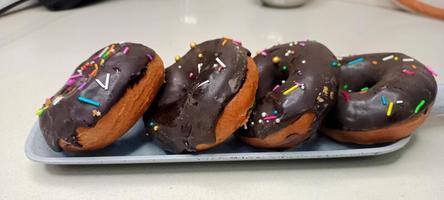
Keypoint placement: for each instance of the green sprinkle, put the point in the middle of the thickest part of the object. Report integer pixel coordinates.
(364, 89)
(40, 111)
(419, 106)
(284, 68)
(345, 87)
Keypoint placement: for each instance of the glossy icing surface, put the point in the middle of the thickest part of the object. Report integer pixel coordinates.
(94, 87)
(294, 78)
(377, 90)
(198, 86)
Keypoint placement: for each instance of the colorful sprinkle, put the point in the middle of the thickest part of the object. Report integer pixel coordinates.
(193, 45)
(275, 87)
(156, 128)
(75, 76)
(224, 42)
(263, 114)
(375, 62)
(408, 72)
(345, 87)
(433, 72)
(177, 58)
(345, 95)
(276, 59)
(200, 55)
(383, 100)
(237, 42)
(408, 60)
(303, 61)
(149, 57)
(364, 89)
(356, 61)
(419, 106)
(414, 66)
(70, 82)
(81, 86)
(263, 52)
(271, 117)
(102, 61)
(284, 68)
(88, 101)
(199, 67)
(399, 101)
(57, 100)
(96, 113)
(389, 109)
(125, 51)
(191, 75)
(291, 89)
(40, 111)
(275, 112)
(396, 58)
(388, 58)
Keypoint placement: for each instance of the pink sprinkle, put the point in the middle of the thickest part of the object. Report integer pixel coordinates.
(191, 75)
(75, 76)
(264, 53)
(125, 50)
(81, 86)
(302, 44)
(271, 117)
(237, 42)
(408, 72)
(149, 56)
(70, 82)
(433, 72)
(275, 87)
(346, 96)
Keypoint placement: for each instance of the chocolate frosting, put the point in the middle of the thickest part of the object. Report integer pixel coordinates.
(63, 113)
(305, 65)
(389, 77)
(197, 88)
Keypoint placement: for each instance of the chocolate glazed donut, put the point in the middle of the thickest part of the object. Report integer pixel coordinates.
(297, 86)
(384, 97)
(102, 99)
(206, 97)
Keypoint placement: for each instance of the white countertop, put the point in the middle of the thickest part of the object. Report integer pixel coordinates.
(39, 49)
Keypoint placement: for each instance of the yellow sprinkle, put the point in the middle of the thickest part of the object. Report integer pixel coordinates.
(389, 109)
(291, 89)
(102, 62)
(156, 128)
(276, 59)
(224, 42)
(375, 62)
(414, 66)
(193, 45)
(177, 58)
(396, 58)
(200, 55)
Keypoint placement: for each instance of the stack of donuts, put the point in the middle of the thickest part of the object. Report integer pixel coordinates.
(275, 100)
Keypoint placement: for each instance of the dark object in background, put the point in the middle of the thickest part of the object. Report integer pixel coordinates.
(54, 5)
(62, 4)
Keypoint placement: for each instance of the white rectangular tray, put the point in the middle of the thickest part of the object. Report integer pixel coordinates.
(134, 147)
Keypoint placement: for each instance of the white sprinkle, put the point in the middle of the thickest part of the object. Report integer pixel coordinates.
(203, 83)
(56, 100)
(180, 66)
(387, 58)
(268, 121)
(263, 114)
(260, 121)
(245, 126)
(79, 71)
(104, 86)
(399, 101)
(303, 61)
(408, 60)
(278, 120)
(215, 65)
(220, 62)
(291, 44)
(199, 66)
(252, 123)
(121, 42)
(283, 81)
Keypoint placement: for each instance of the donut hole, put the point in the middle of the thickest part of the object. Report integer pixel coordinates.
(359, 87)
(281, 76)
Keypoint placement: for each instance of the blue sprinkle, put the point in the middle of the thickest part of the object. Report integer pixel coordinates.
(383, 100)
(275, 112)
(88, 101)
(356, 61)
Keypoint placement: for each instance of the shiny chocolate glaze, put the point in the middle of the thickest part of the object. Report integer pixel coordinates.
(389, 77)
(305, 65)
(196, 91)
(125, 63)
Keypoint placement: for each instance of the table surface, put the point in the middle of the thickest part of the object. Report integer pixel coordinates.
(39, 49)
